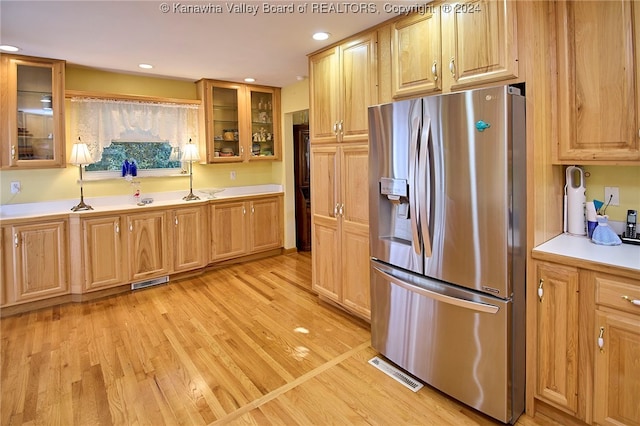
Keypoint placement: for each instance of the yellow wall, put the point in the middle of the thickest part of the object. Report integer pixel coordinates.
(58, 184)
(626, 178)
(294, 98)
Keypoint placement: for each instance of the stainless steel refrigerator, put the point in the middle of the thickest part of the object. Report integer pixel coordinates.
(448, 243)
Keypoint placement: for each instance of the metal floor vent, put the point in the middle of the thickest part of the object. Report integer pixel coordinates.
(400, 376)
(149, 283)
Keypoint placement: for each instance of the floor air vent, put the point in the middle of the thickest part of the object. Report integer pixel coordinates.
(396, 374)
(149, 283)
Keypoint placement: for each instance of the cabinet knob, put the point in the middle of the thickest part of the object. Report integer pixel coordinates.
(335, 210)
(601, 339)
(15, 240)
(452, 67)
(341, 210)
(632, 301)
(434, 70)
(131, 227)
(117, 228)
(175, 220)
(13, 152)
(540, 290)
(253, 210)
(244, 211)
(335, 128)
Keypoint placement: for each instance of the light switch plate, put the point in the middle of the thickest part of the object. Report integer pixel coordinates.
(15, 187)
(613, 193)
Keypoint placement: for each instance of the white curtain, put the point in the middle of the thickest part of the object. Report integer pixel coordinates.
(98, 122)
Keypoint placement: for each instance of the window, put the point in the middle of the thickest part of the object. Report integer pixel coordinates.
(147, 155)
(151, 134)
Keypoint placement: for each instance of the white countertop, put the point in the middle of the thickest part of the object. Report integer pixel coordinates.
(120, 202)
(580, 247)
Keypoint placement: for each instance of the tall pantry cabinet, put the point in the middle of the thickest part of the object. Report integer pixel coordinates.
(343, 86)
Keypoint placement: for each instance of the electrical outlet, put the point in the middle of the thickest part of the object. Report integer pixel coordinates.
(611, 193)
(15, 187)
(232, 175)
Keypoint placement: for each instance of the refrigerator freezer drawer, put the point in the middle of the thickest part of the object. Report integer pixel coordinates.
(455, 340)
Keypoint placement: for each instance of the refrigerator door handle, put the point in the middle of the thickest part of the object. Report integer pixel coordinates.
(413, 182)
(467, 304)
(423, 197)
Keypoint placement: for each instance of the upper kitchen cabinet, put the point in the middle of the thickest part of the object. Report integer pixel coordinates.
(31, 112)
(343, 86)
(479, 42)
(416, 54)
(241, 122)
(598, 92)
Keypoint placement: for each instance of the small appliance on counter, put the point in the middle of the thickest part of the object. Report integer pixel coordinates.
(630, 234)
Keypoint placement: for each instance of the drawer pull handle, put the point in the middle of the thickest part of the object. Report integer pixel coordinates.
(540, 290)
(601, 339)
(632, 301)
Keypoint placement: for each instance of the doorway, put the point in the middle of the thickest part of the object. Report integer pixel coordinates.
(301, 170)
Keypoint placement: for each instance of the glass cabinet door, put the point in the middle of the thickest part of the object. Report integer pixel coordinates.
(33, 113)
(226, 127)
(265, 111)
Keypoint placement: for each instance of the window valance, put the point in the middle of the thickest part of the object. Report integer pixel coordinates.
(100, 121)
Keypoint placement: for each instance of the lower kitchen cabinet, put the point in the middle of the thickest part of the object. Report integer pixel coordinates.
(587, 344)
(557, 336)
(102, 252)
(189, 238)
(340, 225)
(239, 228)
(147, 245)
(37, 255)
(617, 352)
(265, 224)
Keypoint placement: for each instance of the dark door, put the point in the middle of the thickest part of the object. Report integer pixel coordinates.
(301, 151)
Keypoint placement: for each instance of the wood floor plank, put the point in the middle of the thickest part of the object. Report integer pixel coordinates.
(245, 344)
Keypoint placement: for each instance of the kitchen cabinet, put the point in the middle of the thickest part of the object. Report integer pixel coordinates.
(37, 255)
(240, 122)
(189, 238)
(244, 227)
(342, 83)
(598, 92)
(147, 245)
(617, 350)
(416, 54)
(340, 231)
(103, 253)
(32, 112)
(557, 335)
(479, 42)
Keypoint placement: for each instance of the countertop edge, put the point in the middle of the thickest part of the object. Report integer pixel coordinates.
(581, 252)
(124, 208)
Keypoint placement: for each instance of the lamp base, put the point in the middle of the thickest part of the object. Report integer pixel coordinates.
(81, 206)
(190, 197)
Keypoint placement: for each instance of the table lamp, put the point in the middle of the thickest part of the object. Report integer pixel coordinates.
(189, 155)
(79, 157)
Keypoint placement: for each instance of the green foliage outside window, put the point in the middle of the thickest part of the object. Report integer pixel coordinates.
(147, 155)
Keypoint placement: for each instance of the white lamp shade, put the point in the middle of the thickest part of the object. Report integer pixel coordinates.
(80, 154)
(190, 153)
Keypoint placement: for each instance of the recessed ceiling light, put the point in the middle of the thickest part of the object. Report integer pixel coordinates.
(321, 36)
(7, 48)
(146, 66)
(249, 80)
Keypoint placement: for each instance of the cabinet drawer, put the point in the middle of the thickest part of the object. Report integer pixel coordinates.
(618, 293)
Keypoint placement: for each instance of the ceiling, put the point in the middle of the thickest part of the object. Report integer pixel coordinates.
(218, 43)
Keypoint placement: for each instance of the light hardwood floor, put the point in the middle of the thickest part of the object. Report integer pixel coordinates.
(244, 344)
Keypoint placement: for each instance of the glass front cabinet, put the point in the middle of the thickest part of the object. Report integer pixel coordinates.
(31, 112)
(241, 122)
